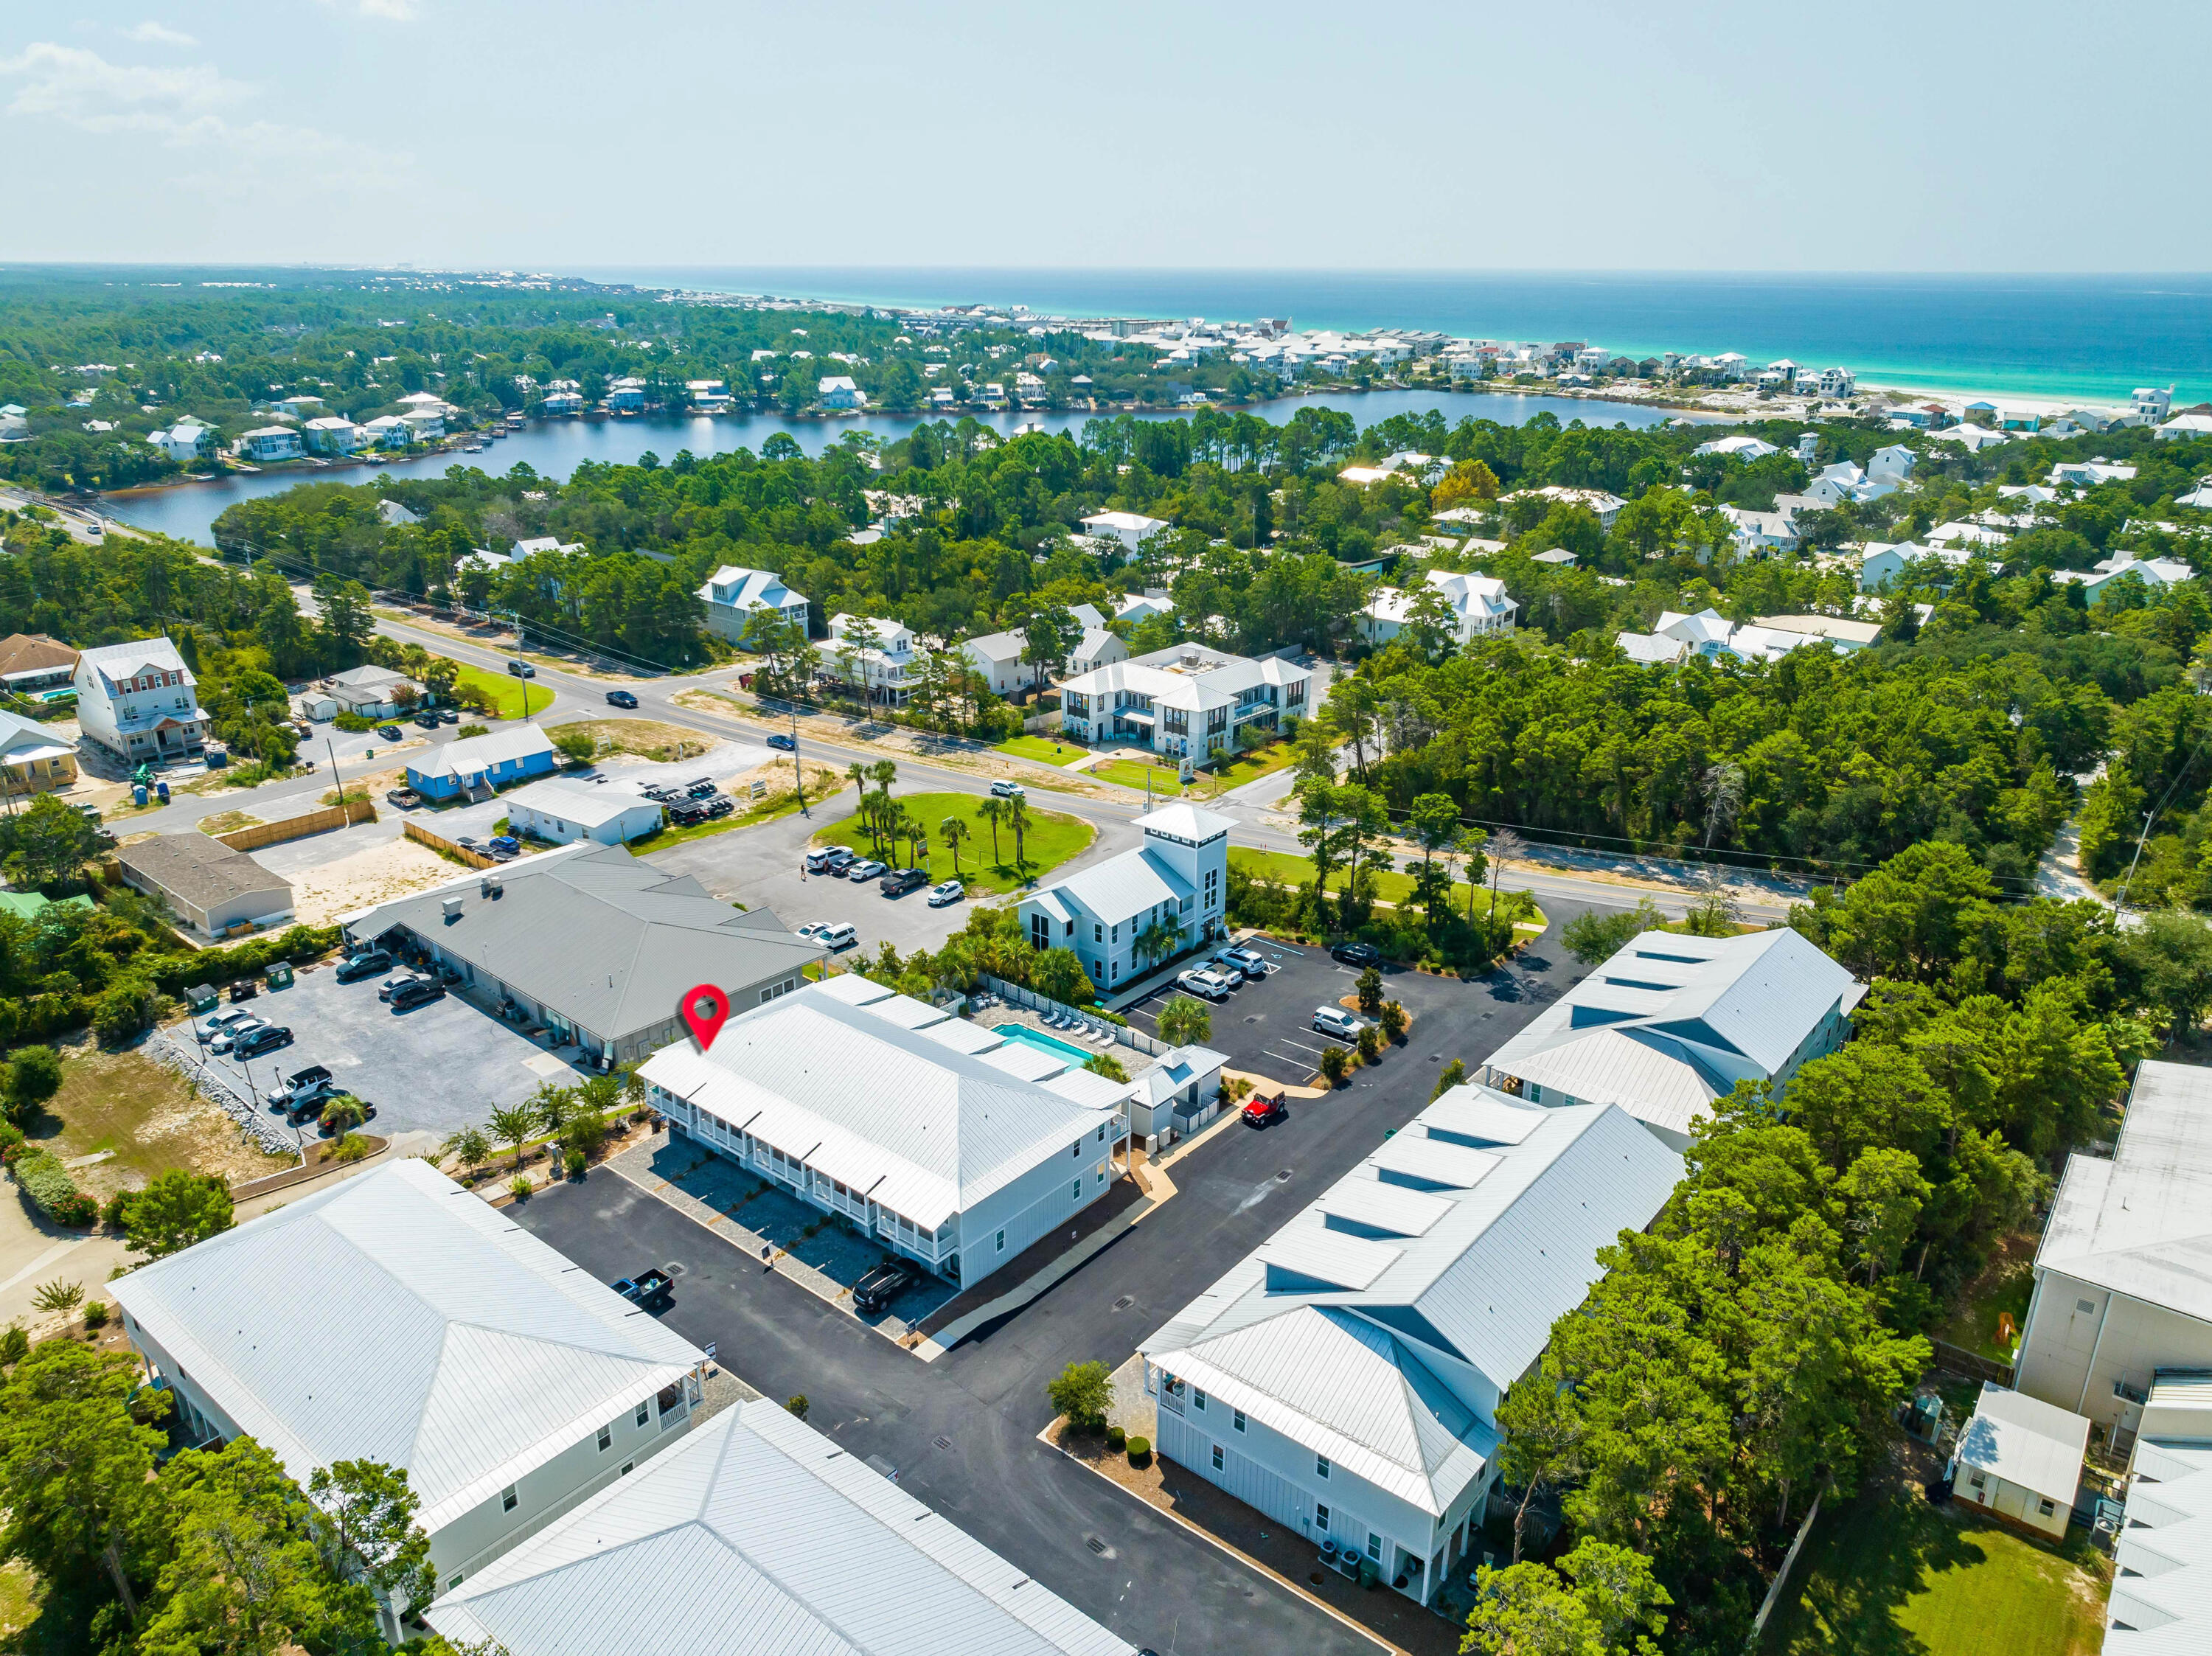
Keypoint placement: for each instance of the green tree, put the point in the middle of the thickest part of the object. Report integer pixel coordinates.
(576, 744)
(1454, 1074)
(1368, 988)
(1601, 1601)
(1107, 1064)
(950, 832)
(362, 1515)
(1083, 1392)
(470, 1147)
(1433, 825)
(34, 1075)
(513, 1125)
(1598, 934)
(176, 1210)
(1058, 974)
(47, 842)
(1185, 1022)
(73, 1463)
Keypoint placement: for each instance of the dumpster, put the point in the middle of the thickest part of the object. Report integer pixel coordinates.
(199, 997)
(279, 976)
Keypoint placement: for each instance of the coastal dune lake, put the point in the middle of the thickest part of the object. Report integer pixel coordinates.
(553, 448)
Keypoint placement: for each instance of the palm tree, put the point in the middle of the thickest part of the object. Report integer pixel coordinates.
(994, 811)
(512, 1124)
(1158, 941)
(469, 1146)
(1017, 816)
(952, 831)
(857, 773)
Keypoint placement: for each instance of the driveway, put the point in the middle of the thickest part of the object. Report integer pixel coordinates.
(440, 1066)
(962, 1430)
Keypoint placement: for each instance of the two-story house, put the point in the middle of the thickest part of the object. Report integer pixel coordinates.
(734, 596)
(871, 653)
(140, 702)
(1478, 606)
(1128, 913)
(1187, 700)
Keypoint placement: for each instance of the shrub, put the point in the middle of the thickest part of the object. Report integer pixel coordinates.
(576, 1162)
(96, 1315)
(520, 1185)
(1140, 1452)
(796, 1405)
(352, 1147)
(1083, 1392)
(1454, 1074)
(58, 1296)
(15, 1343)
(123, 1011)
(467, 731)
(1393, 1020)
(34, 1077)
(1116, 1438)
(78, 1210)
(12, 1143)
(47, 1183)
(353, 724)
(1335, 1064)
(1105, 1064)
(1370, 1044)
(1369, 988)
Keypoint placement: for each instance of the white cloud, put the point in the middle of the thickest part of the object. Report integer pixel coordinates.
(395, 11)
(158, 34)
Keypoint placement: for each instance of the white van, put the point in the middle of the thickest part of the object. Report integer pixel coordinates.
(838, 937)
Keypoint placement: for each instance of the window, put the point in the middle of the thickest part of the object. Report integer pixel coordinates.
(1076, 1149)
(1101, 1135)
(606, 1438)
(642, 1409)
(1217, 1457)
(627, 1464)
(454, 1580)
(1198, 1399)
(2045, 1507)
(1001, 1247)
(1374, 1545)
(1102, 1175)
(1237, 1419)
(506, 1499)
(1321, 1465)
(1321, 1518)
(1097, 932)
(1075, 1192)
(1976, 1478)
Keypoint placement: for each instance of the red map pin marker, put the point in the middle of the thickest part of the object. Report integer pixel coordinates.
(706, 1009)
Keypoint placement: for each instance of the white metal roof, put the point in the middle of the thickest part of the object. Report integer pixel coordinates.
(590, 805)
(2141, 1222)
(2027, 1442)
(480, 753)
(1121, 888)
(396, 1317)
(1181, 820)
(1346, 1329)
(914, 1124)
(116, 662)
(757, 1536)
(2161, 1601)
(1660, 1026)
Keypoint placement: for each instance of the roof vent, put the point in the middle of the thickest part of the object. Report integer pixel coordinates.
(453, 907)
(493, 886)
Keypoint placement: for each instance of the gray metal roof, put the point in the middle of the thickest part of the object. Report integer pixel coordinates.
(757, 1536)
(396, 1317)
(1374, 1327)
(2141, 1222)
(1630, 1032)
(2027, 1442)
(607, 940)
(116, 662)
(912, 1123)
(202, 870)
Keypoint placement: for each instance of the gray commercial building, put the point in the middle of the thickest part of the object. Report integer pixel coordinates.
(210, 887)
(595, 944)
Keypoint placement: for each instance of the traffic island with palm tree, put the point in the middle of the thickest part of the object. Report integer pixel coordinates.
(990, 844)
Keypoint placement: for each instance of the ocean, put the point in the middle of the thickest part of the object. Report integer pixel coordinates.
(2095, 338)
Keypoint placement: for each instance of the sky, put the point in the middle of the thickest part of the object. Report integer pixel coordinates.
(557, 134)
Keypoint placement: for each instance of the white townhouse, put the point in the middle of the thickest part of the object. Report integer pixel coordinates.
(998, 657)
(1882, 561)
(1177, 879)
(187, 440)
(1344, 1378)
(760, 1535)
(439, 1337)
(1132, 529)
(925, 1129)
(1099, 646)
(1671, 1024)
(1143, 606)
(734, 595)
(1185, 700)
(427, 424)
(837, 390)
(140, 701)
(2154, 573)
(333, 433)
(269, 443)
(1478, 604)
(871, 651)
(1606, 507)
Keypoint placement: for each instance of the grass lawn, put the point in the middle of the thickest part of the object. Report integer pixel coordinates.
(1042, 749)
(1050, 840)
(1204, 784)
(1392, 888)
(1890, 1575)
(506, 691)
(645, 737)
(820, 785)
(148, 1116)
(2004, 1285)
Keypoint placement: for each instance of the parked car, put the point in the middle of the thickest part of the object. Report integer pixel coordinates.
(721, 805)
(1005, 789)
(521, 670)
(660, 793)
(226, 1041)
(265, 1039)
(700, 789)
(326, 1131)
(1231, 969)
(428, 721)
(421, 992)
(1264, 1109)
(1356, 954)
(448, 716)
(817, 860)
(301, 1086)
(685, 814)
(881, 1285)
(866, 869)
(506, 842)
(1250, 962)
(837, 936)
(841, 858)
(621, 698)
(405, 798)
(216, 1023)
(503, 852)
(244, 989)
(1335, 1021)
(1201, 981)
(468, 842)
(812, 929)
(783, 743)
(367, 965)
(946, 891)
(645, 1287)
(901, 881)
(393, 985)
(391, 732)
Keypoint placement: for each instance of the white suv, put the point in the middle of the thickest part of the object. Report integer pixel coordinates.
(1335, 1021)
(1211, 985)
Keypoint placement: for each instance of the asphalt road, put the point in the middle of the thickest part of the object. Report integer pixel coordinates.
(962, 1431)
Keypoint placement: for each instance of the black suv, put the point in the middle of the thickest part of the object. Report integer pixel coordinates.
(899, 881)
(254, 1042)
(365, 965)
(1357, 953)
(881, 1286)
(420, 992)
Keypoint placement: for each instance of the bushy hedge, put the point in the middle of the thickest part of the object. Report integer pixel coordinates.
(174, 973)
(52, 1191)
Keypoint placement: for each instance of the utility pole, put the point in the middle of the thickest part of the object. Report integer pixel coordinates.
(798, 770)
(330, 747)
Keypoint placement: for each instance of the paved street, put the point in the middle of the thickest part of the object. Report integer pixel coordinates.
(962, 1430)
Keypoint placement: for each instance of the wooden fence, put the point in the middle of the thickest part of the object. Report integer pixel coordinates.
(1781, 1576)
(421, 835)
(298, 828)
(1972, 1365)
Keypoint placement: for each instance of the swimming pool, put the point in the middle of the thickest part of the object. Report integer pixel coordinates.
(1044, 1042)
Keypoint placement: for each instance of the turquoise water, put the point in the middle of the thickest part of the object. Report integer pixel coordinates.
(2091, 336)
(1043, 1042)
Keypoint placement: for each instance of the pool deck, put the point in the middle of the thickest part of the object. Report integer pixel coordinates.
(1029, 1035)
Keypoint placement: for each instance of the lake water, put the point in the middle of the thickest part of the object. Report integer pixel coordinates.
(552, 448)
(2091, 336)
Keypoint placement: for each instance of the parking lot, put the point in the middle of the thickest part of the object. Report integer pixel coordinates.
(435, 1068)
